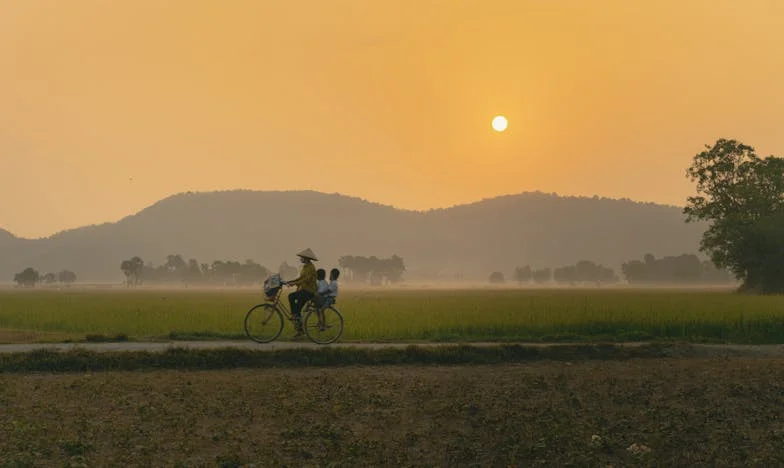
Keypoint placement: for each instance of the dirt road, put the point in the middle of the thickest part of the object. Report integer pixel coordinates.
(673, 350)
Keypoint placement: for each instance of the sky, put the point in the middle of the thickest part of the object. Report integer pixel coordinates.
(109, 106)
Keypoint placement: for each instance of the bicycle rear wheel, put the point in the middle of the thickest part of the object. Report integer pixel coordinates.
(263, 323)
(323, 326)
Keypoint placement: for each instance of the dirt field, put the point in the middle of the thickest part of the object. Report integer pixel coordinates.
(669, 412)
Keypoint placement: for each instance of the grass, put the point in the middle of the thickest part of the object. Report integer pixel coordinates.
(43, 360)
(409, 315)
(653, 412)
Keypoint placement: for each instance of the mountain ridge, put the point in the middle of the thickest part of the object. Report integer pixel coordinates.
(270, 226)
(175, 196)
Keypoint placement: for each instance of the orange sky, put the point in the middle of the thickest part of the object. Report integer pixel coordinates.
(108, 106)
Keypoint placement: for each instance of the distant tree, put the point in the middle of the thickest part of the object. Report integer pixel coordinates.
(251, 272)
(683, 269)
(176, 268)
(565, 274)
(133, 270)
(220, 272)
(392, 269)
(346, 263)
(523, 275)
(361, 268)
(372, 269)
(542, 276)
(49, 278)
(635, 271)
(372, 265)
(66, 277)
(27, 278)
(587, 271)
(741, 196)
(497, 277)
(193, 273)
(206, 271)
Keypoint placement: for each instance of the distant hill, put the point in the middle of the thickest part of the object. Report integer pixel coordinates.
(271, 226)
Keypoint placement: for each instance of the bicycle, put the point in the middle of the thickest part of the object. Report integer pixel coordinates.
(264, 322)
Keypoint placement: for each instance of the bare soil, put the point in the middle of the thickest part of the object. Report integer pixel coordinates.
(670, 412)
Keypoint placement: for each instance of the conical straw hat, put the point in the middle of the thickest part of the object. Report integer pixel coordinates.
(307, 253)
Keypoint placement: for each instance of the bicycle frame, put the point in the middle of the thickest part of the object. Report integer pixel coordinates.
(280, 305)
(284, 309)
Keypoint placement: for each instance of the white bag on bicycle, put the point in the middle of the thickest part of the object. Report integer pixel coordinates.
(272, 285)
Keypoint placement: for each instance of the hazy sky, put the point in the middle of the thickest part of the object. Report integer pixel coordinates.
(108, 106)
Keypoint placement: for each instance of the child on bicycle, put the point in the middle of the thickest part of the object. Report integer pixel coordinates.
(322, 287)
(326, 294)
(334, 274)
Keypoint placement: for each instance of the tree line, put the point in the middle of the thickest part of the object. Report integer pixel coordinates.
(29, 277)
(681, 269)
(372, 270)
(233, 273)
(177, 270)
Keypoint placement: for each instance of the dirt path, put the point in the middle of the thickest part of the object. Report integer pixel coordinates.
(672, 350)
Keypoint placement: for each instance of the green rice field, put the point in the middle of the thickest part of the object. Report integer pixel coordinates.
(405, 315)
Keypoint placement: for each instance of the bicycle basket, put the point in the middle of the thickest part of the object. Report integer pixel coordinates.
(272, 285)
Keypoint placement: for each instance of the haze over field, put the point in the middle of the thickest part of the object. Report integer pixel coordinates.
(108, 107)
(469, 240)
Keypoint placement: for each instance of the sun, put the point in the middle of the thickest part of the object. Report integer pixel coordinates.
(500, 123)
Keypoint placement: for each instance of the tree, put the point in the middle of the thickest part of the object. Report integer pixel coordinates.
(542, 276)
(346, 262)
(66, 277)
(565, 274)
(193, 273)
(27, 278)
(523, 275)
(251, 273)
(497, 277)
(741, 197)
(393, 268)
(175, 263)
(584, 271)
(683, 269)
(49, 278)
(372, 269)
(133, 270)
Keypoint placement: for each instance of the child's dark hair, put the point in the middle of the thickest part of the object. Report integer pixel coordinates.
(334, 273)
(321, 274)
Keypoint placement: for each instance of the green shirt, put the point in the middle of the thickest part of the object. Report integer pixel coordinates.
(307, 278)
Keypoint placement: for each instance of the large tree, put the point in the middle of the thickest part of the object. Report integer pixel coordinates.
(741, 197)
(27, 278)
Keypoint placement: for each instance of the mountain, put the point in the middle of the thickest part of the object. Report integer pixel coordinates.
(271, 226)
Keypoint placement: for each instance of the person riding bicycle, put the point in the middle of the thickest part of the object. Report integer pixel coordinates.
(306, 286)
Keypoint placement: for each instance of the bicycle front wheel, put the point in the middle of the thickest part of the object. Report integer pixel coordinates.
(324, 326)
(263, 323)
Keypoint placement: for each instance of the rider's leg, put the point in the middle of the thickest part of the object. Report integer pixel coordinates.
(297, 301)
(293, 299)
(296, 309)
